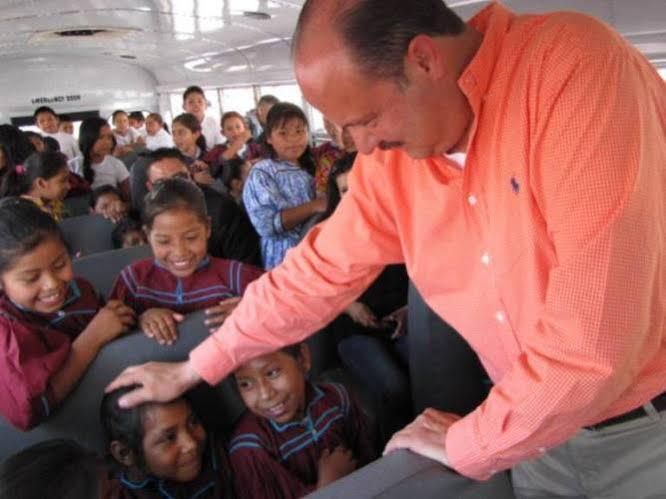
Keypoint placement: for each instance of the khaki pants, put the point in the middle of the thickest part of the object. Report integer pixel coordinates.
(622, 461)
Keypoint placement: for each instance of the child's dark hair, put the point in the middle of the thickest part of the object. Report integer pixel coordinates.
(232, 169)
(66, 118)
(157, 118)
(232, 114)
(191, 122)
(23, 227)
(57, 469)
(124, 425)
(88, 135)
(15, 145)
(127, 224)
(342, 165)
(43, 109)
(279, 114)
(193, 89)
(268, 99)
(116, 113)
(173, 194)
(44, 165)
(51, 144)
(103, 190)
(136, 115)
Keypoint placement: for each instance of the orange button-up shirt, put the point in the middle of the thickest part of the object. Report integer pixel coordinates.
(546, 251)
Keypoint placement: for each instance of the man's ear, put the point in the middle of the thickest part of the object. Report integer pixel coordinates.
(122, 454)
(423, 56)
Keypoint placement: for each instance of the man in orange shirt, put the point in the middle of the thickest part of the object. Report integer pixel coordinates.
(517, 165)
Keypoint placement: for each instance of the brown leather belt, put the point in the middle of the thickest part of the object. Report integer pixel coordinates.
(659, 403)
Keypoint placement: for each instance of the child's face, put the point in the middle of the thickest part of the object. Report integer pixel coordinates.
(133, 238)
(179, 240)
(184, 138)
(104, 143)
(38, 280)
(47, 122)
(136, 124)
(152, 127)
(55, 188)
(106, 203)
(66, 127)
(289, 140)
(37, 143)
(341, 182)
(262, 112)
(273, 386)
(174, 441)
(121, 122)
(233, 128)
(195, 104)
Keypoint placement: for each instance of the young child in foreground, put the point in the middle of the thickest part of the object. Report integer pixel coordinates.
(161, 450)
(52, 325)
(295, 436)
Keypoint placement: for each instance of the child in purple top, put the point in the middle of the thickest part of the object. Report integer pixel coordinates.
(51, 325)
(181, 278)
(296, 436)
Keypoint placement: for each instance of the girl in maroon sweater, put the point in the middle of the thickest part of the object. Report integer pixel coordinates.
(52, 325)
(180, 278)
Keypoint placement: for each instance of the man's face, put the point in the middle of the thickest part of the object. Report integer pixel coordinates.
(166, 168)
(424, 116)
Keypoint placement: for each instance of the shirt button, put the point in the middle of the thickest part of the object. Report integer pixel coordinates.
(499, 316)
(471, 199)
(485, 259)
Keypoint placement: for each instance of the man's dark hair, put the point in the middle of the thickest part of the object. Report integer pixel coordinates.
(377, 33)
(163, 153)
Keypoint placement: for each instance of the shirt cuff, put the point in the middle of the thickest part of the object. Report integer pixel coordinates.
(465, 456)
(277, 223)
(210, 361)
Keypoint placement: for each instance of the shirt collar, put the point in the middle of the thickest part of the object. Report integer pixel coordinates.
(73, 294)
(493, 22)
(312, 395)
(202, 264)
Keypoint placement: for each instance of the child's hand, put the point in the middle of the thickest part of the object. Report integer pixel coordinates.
(397, 319)
(160, 323)
(334, 465)
(115, 211)
(218, 313)
(201, 173)
(361, 314)
(112, 320)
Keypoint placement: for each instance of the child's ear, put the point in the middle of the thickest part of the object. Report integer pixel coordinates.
(209, 229)
(40, 183)
(304, 358)
(122, 454)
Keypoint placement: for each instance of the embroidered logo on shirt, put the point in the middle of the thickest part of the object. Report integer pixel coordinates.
(515, 186)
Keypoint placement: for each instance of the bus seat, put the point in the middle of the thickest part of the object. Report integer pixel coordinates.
(77, 205)
(402, 474)
(78, 416)
(445, 372)
(101, 269)
(87, 234)
(137, 181)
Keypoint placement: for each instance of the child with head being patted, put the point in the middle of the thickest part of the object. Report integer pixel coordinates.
(161, 450)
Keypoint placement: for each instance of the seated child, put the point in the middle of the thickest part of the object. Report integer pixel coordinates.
(126, 136)
(52, 324)
(234, 174)
(162, 450)
(137, 123)
(239, 143)
(181, 278)
(54, 469)
(43, 179)
(66, 125)
(128, 233)
(296, 436)
(107, 201)
(156, 134)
